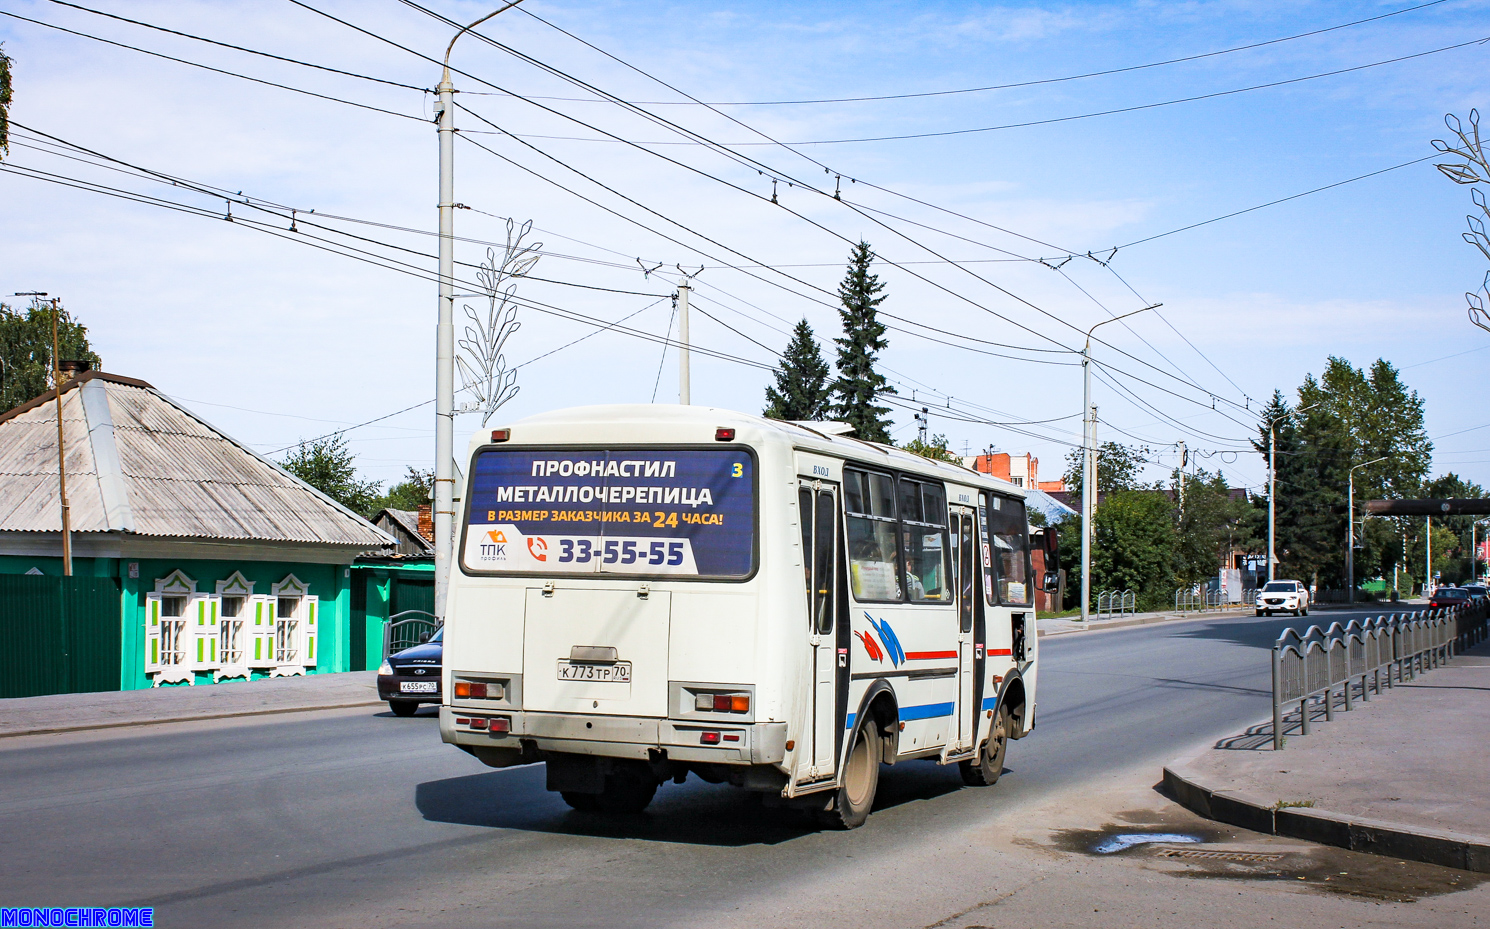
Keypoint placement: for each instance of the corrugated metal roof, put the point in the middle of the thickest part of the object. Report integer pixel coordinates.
(181, 477)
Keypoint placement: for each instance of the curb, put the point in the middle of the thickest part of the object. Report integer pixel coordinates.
(188, 719)
(1393, 840)
(1099, 625)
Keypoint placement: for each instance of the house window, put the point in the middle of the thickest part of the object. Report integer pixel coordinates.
(230, 647)
(286, 630)
(172, 630)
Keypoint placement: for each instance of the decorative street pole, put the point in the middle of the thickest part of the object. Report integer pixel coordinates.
(444, 489)
(1089, 462)
(1350, 531)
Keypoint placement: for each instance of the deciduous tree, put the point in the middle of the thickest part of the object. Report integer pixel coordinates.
(26, 350)
(330, 467)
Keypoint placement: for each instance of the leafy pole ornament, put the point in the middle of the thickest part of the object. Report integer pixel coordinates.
(1473, 168)
(483, 367)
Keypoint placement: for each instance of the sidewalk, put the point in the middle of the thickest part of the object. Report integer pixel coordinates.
(1401, 775)
(1066, 625)
(73, 712)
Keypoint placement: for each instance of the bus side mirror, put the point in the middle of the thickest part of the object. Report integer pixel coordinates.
(1052, 580)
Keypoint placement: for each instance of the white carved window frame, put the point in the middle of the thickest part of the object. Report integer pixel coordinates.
(235, 632)
(295, 636)
(170, 640)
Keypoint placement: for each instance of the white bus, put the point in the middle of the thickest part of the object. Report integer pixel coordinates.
(643, 592)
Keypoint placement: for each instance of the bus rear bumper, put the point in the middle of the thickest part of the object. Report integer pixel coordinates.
(619, 736)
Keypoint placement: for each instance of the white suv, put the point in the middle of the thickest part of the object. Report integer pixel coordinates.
(1280, 596)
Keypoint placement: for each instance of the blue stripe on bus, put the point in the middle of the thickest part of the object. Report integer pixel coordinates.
(990, 702)
(925, 711)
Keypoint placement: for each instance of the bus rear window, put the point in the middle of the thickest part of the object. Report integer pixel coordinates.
(675, 512)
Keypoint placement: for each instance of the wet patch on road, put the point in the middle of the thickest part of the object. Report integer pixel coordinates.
(1176, 842)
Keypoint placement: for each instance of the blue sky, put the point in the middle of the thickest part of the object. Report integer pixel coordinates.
(275, 341)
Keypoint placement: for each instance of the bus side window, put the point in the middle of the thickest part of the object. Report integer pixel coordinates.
(924, 539)
(869, 521)
(805, 514)
(1010, 536)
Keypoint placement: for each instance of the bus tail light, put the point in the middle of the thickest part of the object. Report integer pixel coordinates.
(722, 703)
(501, 724)
(708, 738)
(501, 435)
(724, 434)
(479, 722)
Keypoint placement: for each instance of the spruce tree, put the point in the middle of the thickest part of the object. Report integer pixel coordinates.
(858, 383)
(801, 390)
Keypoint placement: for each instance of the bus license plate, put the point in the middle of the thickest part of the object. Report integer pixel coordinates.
(419, 687)
(618, 673)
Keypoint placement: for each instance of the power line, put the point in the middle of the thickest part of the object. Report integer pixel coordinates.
(1080, 116)
(1260, 206)
(245, 77)
(806, 186)
(349, 252)
(693, 169)
(1017, 84)
(239, 48)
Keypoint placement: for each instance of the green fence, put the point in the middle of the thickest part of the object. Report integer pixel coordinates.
(61, 634)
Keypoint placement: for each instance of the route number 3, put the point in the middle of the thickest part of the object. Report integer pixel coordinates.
(738, 470)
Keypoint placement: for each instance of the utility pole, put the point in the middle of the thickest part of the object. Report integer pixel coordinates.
(61, 447)
(1184, 460)
(1428, 569)
(61, 437)
(1474, 551)
(685, 391)
(1350, 531)
(444, 489)
(1089, 463)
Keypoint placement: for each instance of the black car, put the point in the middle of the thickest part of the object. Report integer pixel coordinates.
(1476, 592)
(412, 676)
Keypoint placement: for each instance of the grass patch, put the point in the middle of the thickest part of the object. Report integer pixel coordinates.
(1291, 804)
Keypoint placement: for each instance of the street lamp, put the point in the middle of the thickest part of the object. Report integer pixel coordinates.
(1350, 530)
(444, 489)
(1273, 477)
(1089, 462)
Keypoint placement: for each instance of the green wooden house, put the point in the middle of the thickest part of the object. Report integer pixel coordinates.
(226, 566)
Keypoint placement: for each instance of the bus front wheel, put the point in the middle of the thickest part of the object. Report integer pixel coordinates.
(861, 777)
(984, 770)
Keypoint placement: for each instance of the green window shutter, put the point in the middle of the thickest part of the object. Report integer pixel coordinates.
(200, 652)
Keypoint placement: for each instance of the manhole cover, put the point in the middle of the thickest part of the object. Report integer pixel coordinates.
(1208, 855)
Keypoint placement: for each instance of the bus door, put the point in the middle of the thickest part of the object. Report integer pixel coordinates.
(822, 555)
(969, 642)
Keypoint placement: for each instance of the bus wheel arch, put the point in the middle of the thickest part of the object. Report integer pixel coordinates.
(879, 704)
(1014, 698)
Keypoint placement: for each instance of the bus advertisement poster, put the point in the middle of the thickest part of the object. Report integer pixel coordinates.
(687, 512)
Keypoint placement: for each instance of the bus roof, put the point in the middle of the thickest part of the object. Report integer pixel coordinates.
(617, 422)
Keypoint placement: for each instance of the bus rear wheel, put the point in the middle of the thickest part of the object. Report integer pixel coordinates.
(861, 778)
(984, 770)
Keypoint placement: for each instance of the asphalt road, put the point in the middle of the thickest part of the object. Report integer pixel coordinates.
(357, 817)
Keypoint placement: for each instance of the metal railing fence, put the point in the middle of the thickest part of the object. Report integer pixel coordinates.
(407, 629)
(1111, 603)
(1344, 663)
